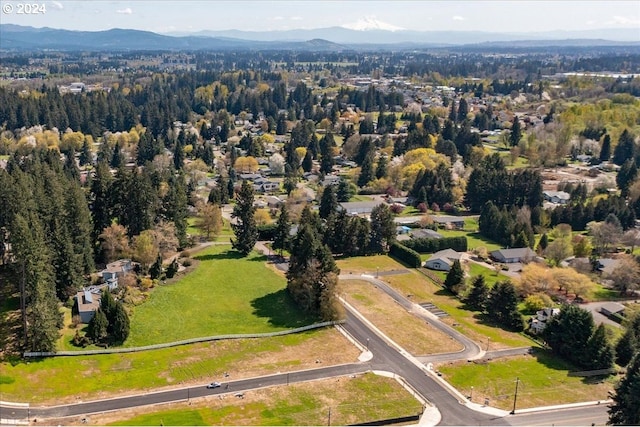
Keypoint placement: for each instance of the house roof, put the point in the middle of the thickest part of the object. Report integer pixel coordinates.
(441, 259)
(514, 253)
(612, 307)
(359, 206)
(443, 219)
(121, 265)
(88, 300)
(449, 254)
(425, 234)
(559, 194)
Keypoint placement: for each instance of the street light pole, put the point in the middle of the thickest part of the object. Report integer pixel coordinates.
(367, 344)
(515, 397)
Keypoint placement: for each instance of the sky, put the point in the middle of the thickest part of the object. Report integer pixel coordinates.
(165, 16)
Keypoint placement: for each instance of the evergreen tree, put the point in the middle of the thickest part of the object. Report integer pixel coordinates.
(626, 176)
(453, 114)
(502, 306)
(245, 228)
(516, 132)
(629, 343)
(605, 150)
(155, 271)
(172, 269)
(345, 192)
(463, 110)
(100, 200)
(328, 202)
(117, 160)
(108, 307)
(86, 157)
(121, 324)
(599, 354)
(625, 409)
(626, 148)
(40, 315)
(178, 155)
(307, 161)
(281, 124)
(455, 276)
(568, 333)
(175, 207)
(98, 326)
(381, 169)
(544, 242)
(282, 237)
(78, 223)
(383, 229)
(367, 171)
(326, 153)
(478, 295)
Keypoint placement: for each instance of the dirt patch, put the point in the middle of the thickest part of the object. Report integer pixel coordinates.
(409, 331)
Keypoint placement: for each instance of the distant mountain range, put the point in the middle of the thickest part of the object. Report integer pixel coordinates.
(365, 35)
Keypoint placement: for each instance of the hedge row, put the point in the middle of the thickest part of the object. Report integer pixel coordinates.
(430, 245)
(267, 232)
(406, 255)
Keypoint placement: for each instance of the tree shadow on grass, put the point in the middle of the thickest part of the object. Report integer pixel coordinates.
(281, 310)
(228, 255)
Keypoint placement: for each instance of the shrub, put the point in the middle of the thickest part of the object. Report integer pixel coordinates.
(430, 245)
(406, 255)
(422, 207)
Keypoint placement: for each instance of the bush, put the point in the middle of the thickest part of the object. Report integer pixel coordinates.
(422, 207)
(80, 341)
(430, 245)
(267, 232)
(405, 254)
(185, 254)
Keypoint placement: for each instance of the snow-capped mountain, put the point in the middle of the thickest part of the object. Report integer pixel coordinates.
(371, 23)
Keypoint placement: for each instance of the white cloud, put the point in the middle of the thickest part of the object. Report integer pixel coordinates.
(591, 22)
(126, 11)
(277, 18)
(457, 18)
(296, 18)
(624, 21)
(57, 5)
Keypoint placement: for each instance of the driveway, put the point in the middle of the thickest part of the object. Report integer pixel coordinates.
(598, 318)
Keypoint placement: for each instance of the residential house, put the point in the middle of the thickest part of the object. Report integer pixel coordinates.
(611, 308)
(443, 260)
(449, 221)
(359, 208)
(513, 255)
(425, 233)
(557, 197)
(87, 303)
(539, 321)
(114, 270)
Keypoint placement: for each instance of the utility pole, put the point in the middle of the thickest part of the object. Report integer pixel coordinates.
(515, 397)
(329, 419)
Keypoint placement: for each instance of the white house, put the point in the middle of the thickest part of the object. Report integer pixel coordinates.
(539, 321)
(443, 260)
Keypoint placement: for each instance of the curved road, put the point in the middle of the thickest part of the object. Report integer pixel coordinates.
(386, 357)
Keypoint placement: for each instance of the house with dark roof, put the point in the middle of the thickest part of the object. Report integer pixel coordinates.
(512, 255)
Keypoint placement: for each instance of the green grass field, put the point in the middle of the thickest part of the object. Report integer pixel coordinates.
(225, 294)
(351, 400)
(490, 276)
(544, 380)
(58, 380)
(474, 239)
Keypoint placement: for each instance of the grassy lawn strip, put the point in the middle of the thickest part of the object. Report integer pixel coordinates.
(490, 276)
(352, 400)
(413, 334)
(543, 378)
(54, 380)
(226, 294)
(474, 239)
(468, 322)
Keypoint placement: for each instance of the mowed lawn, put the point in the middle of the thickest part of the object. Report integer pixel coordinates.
(226, 294)
(351, 400)
(544, 380)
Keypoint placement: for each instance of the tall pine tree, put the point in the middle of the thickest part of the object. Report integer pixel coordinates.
(244, 228)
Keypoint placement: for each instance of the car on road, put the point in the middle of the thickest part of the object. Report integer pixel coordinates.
(214, 385)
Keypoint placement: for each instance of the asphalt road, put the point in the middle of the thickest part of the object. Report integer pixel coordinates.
(385, 358)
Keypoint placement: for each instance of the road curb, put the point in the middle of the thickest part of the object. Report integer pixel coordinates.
(565, 406)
